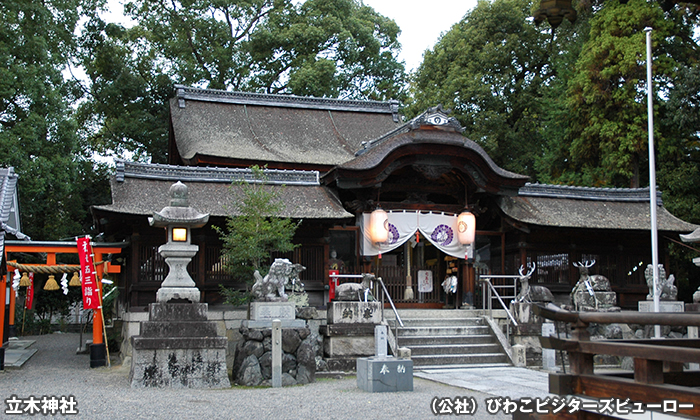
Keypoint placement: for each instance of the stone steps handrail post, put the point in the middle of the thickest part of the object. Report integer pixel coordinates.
(486, 280)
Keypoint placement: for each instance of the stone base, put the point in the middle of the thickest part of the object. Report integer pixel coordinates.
(286, 323)
(385, 374)
(603, 301)
(267, 311)
(348, 346)
(166, 294)
(179, 368)
(253, 362)
(349, 312)
(178, 348)
(664, 306)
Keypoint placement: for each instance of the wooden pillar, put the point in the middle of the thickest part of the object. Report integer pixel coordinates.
(132, 276)
(581, 363)
(468, 282)
(11, 324)
(97, 313)
(522, 247)
(3, 289)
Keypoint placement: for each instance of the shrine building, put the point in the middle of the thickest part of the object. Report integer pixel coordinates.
(335, 162)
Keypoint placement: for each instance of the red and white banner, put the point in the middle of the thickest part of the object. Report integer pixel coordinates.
(29, 300)
(87, 271)
(438, 228)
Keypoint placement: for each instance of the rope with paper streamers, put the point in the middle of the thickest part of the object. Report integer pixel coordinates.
(46, 269)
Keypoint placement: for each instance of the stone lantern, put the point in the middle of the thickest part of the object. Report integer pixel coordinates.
(178, 219)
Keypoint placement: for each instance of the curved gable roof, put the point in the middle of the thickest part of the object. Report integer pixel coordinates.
(432, 138)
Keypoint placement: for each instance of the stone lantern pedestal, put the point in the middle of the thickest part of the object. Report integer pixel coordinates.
(178, 285)
(178, 346)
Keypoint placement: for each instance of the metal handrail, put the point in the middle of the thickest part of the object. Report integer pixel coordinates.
(391, 302)
(491, 289)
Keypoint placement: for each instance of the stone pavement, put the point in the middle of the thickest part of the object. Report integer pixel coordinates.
(512, 382)
(18, 352)
(509, 381)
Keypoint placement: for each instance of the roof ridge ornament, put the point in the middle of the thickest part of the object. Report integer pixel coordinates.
(437, 117)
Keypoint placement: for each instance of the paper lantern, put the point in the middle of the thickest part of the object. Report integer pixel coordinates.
(466, 228)
(378, 226)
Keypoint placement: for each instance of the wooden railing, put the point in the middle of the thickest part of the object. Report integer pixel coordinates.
(658, 363)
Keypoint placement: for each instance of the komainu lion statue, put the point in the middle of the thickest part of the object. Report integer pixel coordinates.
(665, 287)
(271, 287)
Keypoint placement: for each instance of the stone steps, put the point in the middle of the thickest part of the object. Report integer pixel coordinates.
(424, 361)
(457, 322)
(454, 349)
(437, 330)
(416, 340)
(448, 338)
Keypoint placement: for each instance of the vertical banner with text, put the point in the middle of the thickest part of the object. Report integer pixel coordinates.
(87, 270)
(30, 292)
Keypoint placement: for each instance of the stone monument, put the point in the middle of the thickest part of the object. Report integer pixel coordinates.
(531, 326)
(262, 357)
(178, 347)
(668, 302)
(383, 373)
(351, 318)
(592, 293)
(271, 301)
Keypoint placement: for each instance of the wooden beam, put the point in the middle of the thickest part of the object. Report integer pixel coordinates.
(624, 317)
(650, 349)
(601, 386)
(648, 371)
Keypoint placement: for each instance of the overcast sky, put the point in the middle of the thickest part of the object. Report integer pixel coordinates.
(421, 22)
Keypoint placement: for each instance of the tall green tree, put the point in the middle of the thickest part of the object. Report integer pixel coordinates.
(493, 69)
(325, 48)
(127, 93)
(255, 229)
(38, 135)
(606, 100)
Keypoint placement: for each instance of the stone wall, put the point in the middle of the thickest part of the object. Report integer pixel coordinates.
(253, 361)
(228, 322)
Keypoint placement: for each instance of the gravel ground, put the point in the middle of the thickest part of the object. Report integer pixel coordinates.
(105, 393)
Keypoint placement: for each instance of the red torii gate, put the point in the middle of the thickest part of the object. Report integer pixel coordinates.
(51, 248)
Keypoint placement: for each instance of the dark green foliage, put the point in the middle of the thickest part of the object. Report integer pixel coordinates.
(38, 135)
(254, 231)
(492, 69)
(325, 48)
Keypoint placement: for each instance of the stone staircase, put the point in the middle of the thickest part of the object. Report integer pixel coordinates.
(448, 338)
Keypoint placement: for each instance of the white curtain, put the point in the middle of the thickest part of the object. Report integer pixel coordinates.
(439, 228)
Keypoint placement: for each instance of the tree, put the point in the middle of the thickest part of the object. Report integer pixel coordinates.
(255, 230)
(38, 135)
(324, 48)
(127, 107)
(606, 98)
(492, 69)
